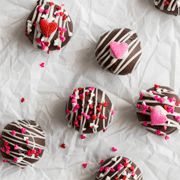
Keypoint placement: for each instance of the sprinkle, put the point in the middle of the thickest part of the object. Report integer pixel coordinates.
(51, 3)
(119, 167)
(101, 169)
(77, 106)
(141, 96)
(107, 169)
(87, 93)
(125, 165)
(62, 4)
(23, 130)
(166, 3)
(138, 106)
(156, 97)
(143, 112)
(15, 159)
(132, 168)
(126, 160)
(84, 114)
(105, 104)
(167, 137)
(64, 17)
(76, 122)
(91, 106)
(57, 14)
(37, 154)
(90, 112)
(40, 150)
(177, 118)
(42, 65)
(73, 101)
(145, 123)
(2, 149)
(23, 99)
(61, 13)
(116, 178)
(101, 116)
(158, 132)
(165, 127)
(16, 147)
(4, 161)
(58, 8)
(7, 152)
(165, 107)
(6, 143)
(62, 38)
(63, 146)
(7, 148)
(27, 141)
(87, 117)
(112, 169)
(102, 161)
(177, 103)
(83, 137)
(47, 11)
(58, 48)
(104, 130)
(13, 133)
(156, 86)
(161, 100)
(84, 165)
(79, 117)
(68, 111)
(94, 117)
(114, 149)
(144, 107)
(41, 10)
(91, 89)
(133, 173)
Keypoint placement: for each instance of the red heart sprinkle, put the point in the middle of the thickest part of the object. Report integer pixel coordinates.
(116, 178)
(7, 152)
(51, 3)
(6, 143)
(165, 107)
(100, 104)
(58, 48)
(156, 86)
(80, 89)
(177, 103)
(64, 17)
(87, 93)
(61, 33)
(46, 43)
(37, 154)
(38, 40)
(82, 98)
(105, 104)
(38, 7)
(104, 130)
(91, 106)
(125, 165)
(124, 177)
(94, 117)
(22, 100)
(79, 117)
(47, 28)
(58, 8)
(63, 146)
(75, 91)
(35, 23)
(61, 13)
(101, 116)
(32, 152)
(149, 108)
(166, 3)
(131, 168)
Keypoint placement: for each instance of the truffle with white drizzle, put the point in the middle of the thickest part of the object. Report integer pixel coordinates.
(168, 6)
(119, 51)
(49, 27)
(23, 143)
(119, 168)
(158, 110)
(89, 110)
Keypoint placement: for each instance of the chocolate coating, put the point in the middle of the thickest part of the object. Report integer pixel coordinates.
(89, 105)
(146, 118)
(124, 171)
(35, 137)
(120, 66)
(56, 35)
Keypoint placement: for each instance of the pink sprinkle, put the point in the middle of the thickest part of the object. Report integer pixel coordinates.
(167, 137)
(133, 173)
(114, 149)
(40, 150)
(170, 109)
(42, 65)
(83, 137)
(34, 151)
(126, 160)
(73, 101)
(82, 95)
(7, 148)
(74, 110)
(107, 169)
(156, 97)
(104, 117)
(15, 159)
(13, 133)
(102, 161)
(62, 4)
(161, 100)
(84, 114)
(101, 169)
(87, 117)
(73, 96)
(144, 107)
(43, 47)
(2, 149)
(62, 38)
(138, 106)
(143, 112)
(141, 96)
(4, 161)
(77, 106)
(57, 14)
(76, 122)
(16, 147)
(23, 130)
(92, 88)
(68, 111)
(41, 10)
(158, 132)
(90, 112)
(84, 165)
(153, 92)
(119, 167)
(177, 118)
(145, 123)
(27, 141)
(64, 29)
(47, 11)
(112, 112)
(172, 99)
(165, 127)
(112, 170)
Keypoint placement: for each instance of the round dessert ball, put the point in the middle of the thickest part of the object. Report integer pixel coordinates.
(23, 143)
(49, 27)
(118, 168)
(119, 51)
(158, 110)
(168, 6)
(89, 110)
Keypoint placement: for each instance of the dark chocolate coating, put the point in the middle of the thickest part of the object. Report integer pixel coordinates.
(87, 97)
(27, 147)
(128, 69)
(110, 173)
(175, 12)
(144, 117)
(51, 47)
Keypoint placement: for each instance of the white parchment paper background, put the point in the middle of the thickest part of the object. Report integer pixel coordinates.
(46, 90)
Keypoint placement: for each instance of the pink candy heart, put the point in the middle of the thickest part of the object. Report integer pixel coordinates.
(133, 173)
(62, 38)
(23, 130)
(84, 165)
(157, 118)
(40, 150)
(112, 112)
(112, 170)
(145, 123)
(40, 10)
(15, 159)
(47, 11)
(91, 88)
(101, 169)
(83, 137)
(68, 111)
(118, 49)
(16, 147)
(114, 149)
(120, 166)
(42, 65)
(107, 169)
(13, 133)
(167, 137)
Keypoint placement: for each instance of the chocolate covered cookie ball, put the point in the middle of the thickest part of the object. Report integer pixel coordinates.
(49, 27)
(119, 168)
(168, 6)
(119, 51)
(23, 143)
(89, 110)
(158, 110)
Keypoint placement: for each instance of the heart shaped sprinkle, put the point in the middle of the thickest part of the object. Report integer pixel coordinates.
(47, 11)
(132, 168)
(40, 150)
(13, 133)
(107, 169)
(114, 149)
(104, 130)
(83, 137)
(23, 130)
(6, 143)
(156, 86)
(158, 116)
(84, 165)
(16, 147)
(118, 49)
(51, 3)
(63, 146)
(112, 169)
(167, 137)
(91, 88)
(23, 99)
(42, 65)
(15, 159)
(133, 173)
(112, 112)
(145, 123)
(126, 160)
(125, 165)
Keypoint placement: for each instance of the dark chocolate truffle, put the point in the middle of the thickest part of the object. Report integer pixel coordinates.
(49, 27)
(158, 110)
(168, 6)
(23, 143)
(89, 110)
(119, 51)
(118, 168)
